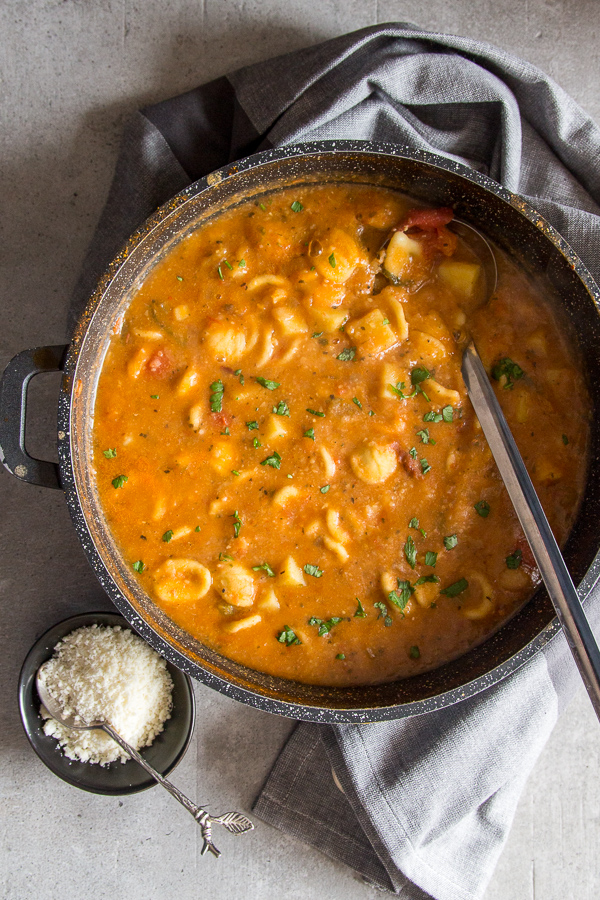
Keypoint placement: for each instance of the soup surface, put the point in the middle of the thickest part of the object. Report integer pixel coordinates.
(285, 451)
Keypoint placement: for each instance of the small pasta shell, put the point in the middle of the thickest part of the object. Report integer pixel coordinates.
(136, 363)
(332, 519)
(336, 547)
(285, 494)
(266, 348)
(479, 585)
(328, 462)
(241, 624)
(181, 580)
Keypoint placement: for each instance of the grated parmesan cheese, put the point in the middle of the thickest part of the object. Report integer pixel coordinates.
(103, 672)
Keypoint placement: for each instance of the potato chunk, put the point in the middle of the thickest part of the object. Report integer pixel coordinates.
(291, 574)
(235, 584)
(400, 257)
(461, 277)
(226, 342)
(372, 332)
(374, 463)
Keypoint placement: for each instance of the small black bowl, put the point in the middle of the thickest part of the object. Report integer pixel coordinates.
(117, 778)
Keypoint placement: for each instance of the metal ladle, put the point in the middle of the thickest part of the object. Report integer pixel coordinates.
(234, 822)
(524, 498)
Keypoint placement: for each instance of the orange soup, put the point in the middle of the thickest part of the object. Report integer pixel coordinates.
(285, 451)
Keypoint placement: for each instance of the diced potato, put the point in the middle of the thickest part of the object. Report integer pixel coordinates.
(226, 342)
(179, 580)
(339, 258)
(373, 463)
(522, 406)
(336, 547)
(433, 324)
(515, 579)
(437, 393)
(313, 528)
(195, 416)
(388, 582)
(546, 472)
(392, 374)
(235, 584)
(560, 379)
(269, 600)
(187, 381)
(160, 508)
(149, 335)
(371, 332)
(461, 277)
(427, 348)
(221, 457)
(291, 574)
(291, 321)
(275, 428)
(241, 624)
(328, 319)
(400, 256)
(181, 312)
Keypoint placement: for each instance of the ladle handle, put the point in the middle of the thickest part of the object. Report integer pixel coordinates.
(533, 520)
(198, 813)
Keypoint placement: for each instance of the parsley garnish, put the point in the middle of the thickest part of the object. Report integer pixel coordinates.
(238, 373)
(383, 613)
(167, 536)
(234, 472)
(325, 488)
(296, 206)
(229, 266)
(139, 566)
(317, 334)
(242, 264)
(425, 467)
(450, 541)
(341, 656)
(448, 414)
(110, 453)
(332, 260)
(269, 385)
(310, 434)
(282, 409)
(274, 460)
(386, 322)
(263, 207)
(347, 354)
(410, 552)
(457, 588)
(414, 652)
(197, 528)
(287, 636)
(252, 426)
(154, 397)
(511, 371)
(401, 596)
(424, 435)
(398, 390)
(433, 416)
(483, 508)
(216, 397)
(419, 374)
(360, 613)
(565, 441)
(223, 556)
(119, 481)
(179, 278)
(430, 558)
(220, 273)
(264, 567)
(414, 523)
(514, 560)
(256, 443)
(315, 571)
(237, 523)
(357, 401)
(325, 627)
(315, 412)
(413, 452)
(425, 579)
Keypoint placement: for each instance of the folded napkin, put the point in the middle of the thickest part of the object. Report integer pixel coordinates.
(428, 801)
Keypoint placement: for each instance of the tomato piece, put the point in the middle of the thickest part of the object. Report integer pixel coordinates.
(428, 219)
(159, 364)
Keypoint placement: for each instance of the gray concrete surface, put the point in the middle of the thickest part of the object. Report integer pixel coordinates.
(70, 72)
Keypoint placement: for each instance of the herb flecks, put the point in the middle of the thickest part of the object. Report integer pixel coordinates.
(282, 409)
(455, 589)
(310, 433)
(119, 481)
(326, 625)
(401, 596)
(410, 552)
(482, 508)
(296, 206)
(237, 523)
(508, 369)
(288, 637)
(514, 560)
(360, 612)
(347, 354)
(450, 541)
(315, 571)
(267, 383)
(139, 566)
(216, 398)
(274, 460)
(264, 567)
(383, 613)
(110, 453)
(167, 536)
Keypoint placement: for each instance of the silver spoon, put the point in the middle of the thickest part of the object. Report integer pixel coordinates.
(234, 822)
(524, 498)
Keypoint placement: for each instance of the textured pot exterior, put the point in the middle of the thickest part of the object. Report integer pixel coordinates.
(503, 217)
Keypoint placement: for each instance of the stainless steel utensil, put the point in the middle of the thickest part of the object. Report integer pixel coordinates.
(234, 822)
(525, 500)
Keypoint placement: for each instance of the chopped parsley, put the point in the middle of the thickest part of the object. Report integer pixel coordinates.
(401, 595)
(424, 435)
(237, 523)
(282, 409)
(325, 488)
(315, 571)
(223, 556)
(110, 453)
(274, 460)
(179, 278)
(242, 264)
(216, 398)
(398, 390)
(263, 207)
(167, 536)
(482, 507)
(139, 566)
(514, 560)
(430, 558)
(154, 397)
(264, 567)
(565, 441)
(317, 334)
(511, 371)
(287, 636)
(448, 414)
(269, 385)
(383, 613)
(332, 260)
(325, 626)
(197, 528)
(357, 401)
(238, 373)
(410, 552)
(310, 433)
(234, 472)
(386, 322)
(450, 541)
(119, 481)
(413, 452)
(347, 354)
(296, 206)
(315, 412)
(426, 579)
(455, 589)
(256, 443)
(432, 416)
(414, 523)
(414, 652)
(360, 612)
(229, 266)
(341, 656)
(252, 426)
(419, 374)
(220, 273)
(425, 467)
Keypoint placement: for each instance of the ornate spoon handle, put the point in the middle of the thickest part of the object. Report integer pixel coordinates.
(234, 822)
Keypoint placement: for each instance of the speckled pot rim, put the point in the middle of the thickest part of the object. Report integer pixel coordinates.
(252, 697)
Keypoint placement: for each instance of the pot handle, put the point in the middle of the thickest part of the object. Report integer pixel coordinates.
(13, 407)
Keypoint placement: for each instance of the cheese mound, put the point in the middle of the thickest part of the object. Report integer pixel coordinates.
(107, 673)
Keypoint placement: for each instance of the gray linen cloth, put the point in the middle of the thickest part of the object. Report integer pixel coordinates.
(428, 800)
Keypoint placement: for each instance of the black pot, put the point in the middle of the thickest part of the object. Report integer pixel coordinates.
(503, 217)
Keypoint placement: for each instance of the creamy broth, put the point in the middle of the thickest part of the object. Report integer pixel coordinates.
(285, 451)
